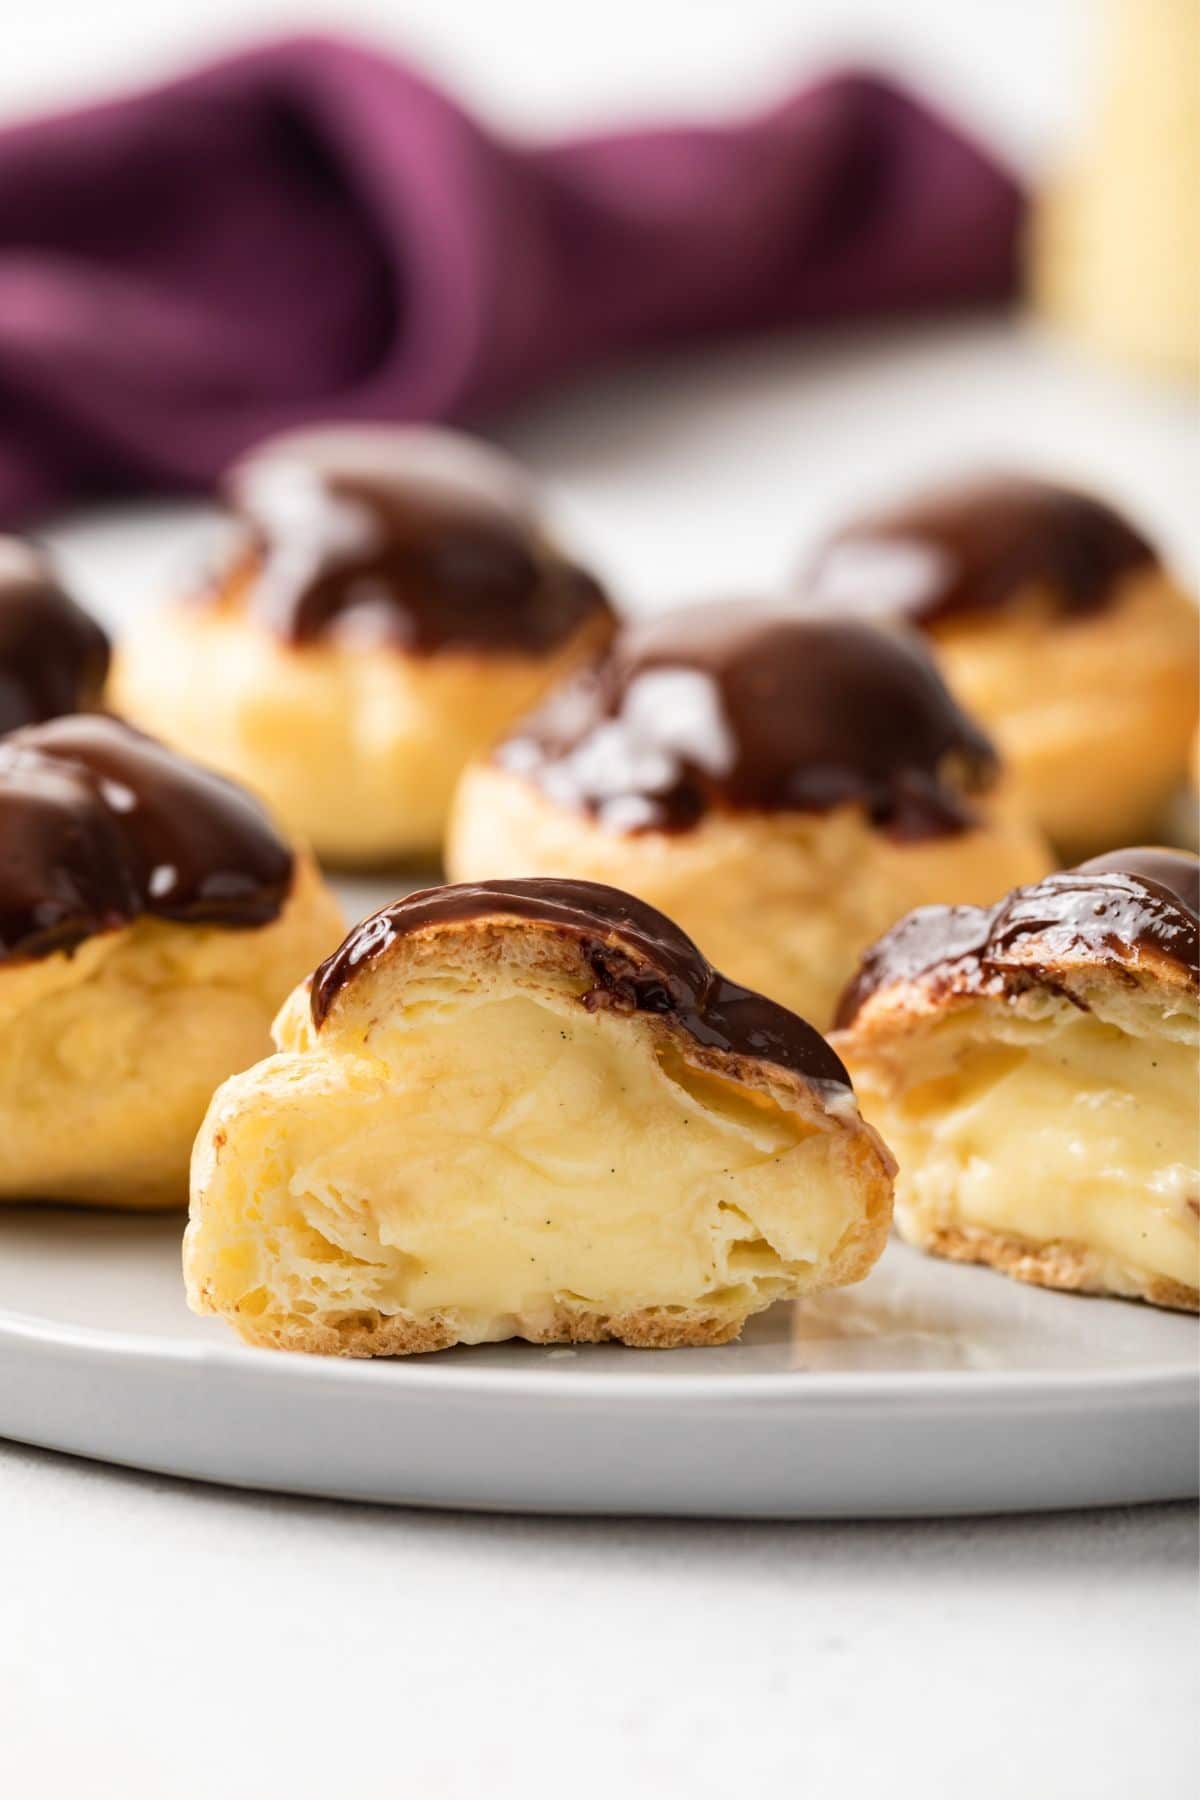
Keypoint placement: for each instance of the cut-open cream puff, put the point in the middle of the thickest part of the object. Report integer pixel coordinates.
(1034, 1068)
(151, 921)
(528, 1109)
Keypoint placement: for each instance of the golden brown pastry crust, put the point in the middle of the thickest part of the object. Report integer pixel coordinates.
(1073, 1268)
(402, 1335)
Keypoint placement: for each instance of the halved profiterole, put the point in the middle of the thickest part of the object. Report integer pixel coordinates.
(528, 1109)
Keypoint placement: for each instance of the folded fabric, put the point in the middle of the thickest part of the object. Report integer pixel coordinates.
(311, 230)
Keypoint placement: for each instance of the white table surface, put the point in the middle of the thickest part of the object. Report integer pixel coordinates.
(170, 1641)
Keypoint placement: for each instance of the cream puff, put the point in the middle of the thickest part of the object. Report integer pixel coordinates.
(392, 603)
(528, 1109)
(1057, 627)
(1034, 1068)
(53, 655)
(783, 787)
(151, 921)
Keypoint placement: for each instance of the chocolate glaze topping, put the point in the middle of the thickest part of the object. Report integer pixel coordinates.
(640, 960)
(100, 825)
(1117, 908)
(414, 539)
(53, 657)
(755, 709)
(975, 548)
(1178, 871)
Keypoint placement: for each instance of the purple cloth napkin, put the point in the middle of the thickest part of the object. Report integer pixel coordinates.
(311, 230)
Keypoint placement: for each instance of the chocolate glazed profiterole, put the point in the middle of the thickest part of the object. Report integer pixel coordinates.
(417, 543)
(977, 549)
(543, 1114)
(151, 920)
(53, 656)
(1034, 1067)
(393, 600)
(1056, 625)
(783, 786)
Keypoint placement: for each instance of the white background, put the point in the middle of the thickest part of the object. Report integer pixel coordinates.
(165, 1641)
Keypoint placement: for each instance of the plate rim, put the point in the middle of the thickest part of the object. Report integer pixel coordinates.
(1165, 1383)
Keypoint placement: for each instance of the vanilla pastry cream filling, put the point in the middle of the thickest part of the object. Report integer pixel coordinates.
(1063, 1130)
(501, 1156)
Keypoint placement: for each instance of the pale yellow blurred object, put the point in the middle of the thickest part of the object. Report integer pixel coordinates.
(1116, 241)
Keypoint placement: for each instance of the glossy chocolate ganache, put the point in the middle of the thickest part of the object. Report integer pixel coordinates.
(1118, 908)
(53, 657)
(974, 549)
(407, 538)
(100, 825)
(750, 708)
(640, 962)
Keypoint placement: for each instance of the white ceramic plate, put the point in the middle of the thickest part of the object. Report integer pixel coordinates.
(929, 1389)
